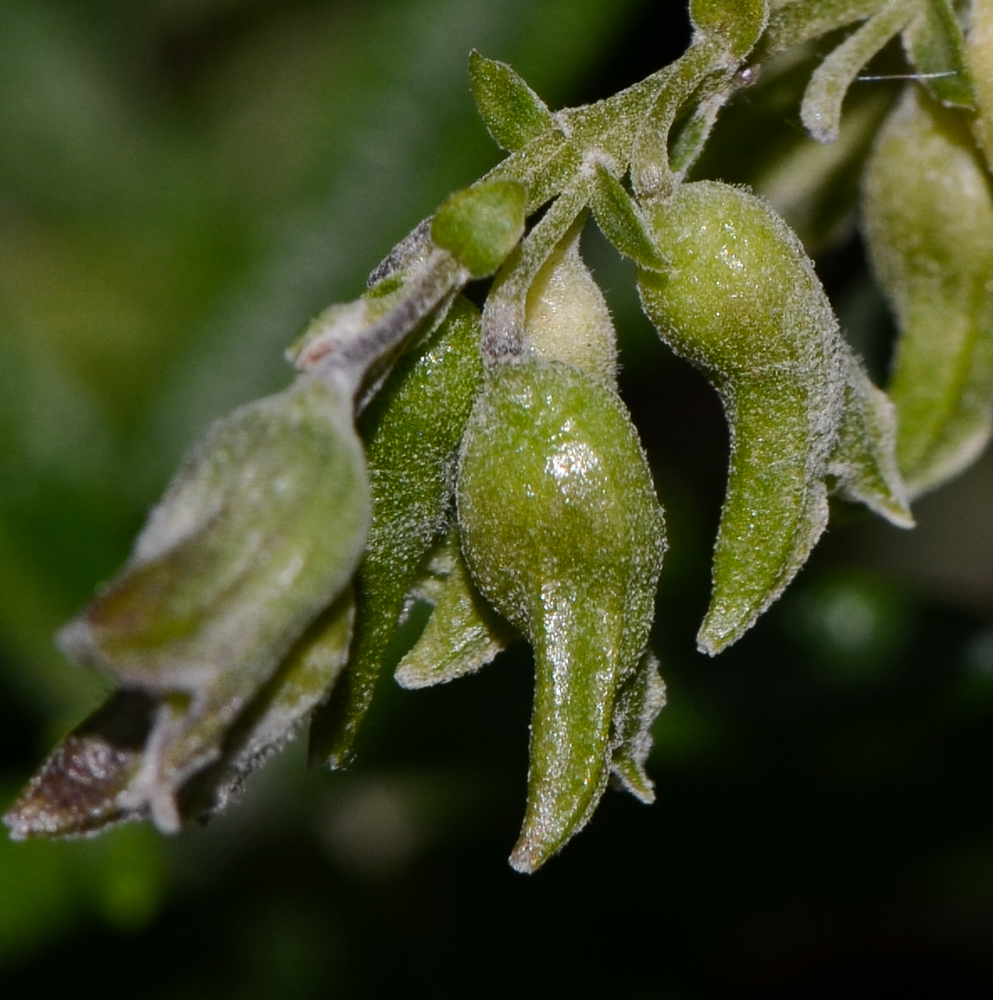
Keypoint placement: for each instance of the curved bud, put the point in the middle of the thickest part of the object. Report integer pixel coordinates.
(743, 303)
(412, 429)
(564, 536)
(259, 532)
(928, 220)
(566, 317)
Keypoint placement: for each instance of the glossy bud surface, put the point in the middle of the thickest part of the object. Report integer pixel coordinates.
(564, 536)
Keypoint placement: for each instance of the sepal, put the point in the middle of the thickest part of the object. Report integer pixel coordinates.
(638, 704)
(463, 633)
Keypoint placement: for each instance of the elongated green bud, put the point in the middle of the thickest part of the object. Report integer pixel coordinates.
(928, 215)
(259, 532)
(563, 534)
(743, 303)
(413, 430)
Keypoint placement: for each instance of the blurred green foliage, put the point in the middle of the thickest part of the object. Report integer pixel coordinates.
(183, 183)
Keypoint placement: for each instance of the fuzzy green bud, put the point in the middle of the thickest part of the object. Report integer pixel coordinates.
(563, 535)
(742, 302)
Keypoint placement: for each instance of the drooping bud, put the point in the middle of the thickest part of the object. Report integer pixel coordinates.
(261, 530)
(742, 302)
(413, 429)
(928, 215)
(563, 535)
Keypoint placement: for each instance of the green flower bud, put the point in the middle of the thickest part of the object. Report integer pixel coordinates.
(743, 303)
(412, 429)
(261, 529)
(928, 217)
(564, 536)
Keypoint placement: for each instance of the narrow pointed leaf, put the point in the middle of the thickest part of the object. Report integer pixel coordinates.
(512, 112)
(622, 222)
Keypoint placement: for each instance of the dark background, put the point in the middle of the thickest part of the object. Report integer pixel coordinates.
(182, 185)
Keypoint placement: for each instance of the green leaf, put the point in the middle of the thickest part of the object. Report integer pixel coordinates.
(480, 225)
(563, 535)
(935, 46)
(928, 217)
(622, 222)
(513, 113)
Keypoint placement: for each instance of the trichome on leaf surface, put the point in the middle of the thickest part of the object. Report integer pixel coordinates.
(484, 462)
